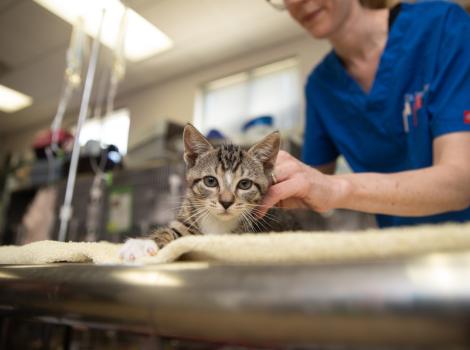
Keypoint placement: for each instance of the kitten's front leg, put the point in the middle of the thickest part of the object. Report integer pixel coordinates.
(140, 247)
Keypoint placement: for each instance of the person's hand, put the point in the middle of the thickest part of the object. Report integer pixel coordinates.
(300, 186)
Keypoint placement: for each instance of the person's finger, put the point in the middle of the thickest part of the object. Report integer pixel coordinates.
(283, 155)
(277, 193)
(260, 211)
(292, 203)
(283, 171)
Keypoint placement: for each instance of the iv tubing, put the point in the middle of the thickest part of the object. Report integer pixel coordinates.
(66, 210)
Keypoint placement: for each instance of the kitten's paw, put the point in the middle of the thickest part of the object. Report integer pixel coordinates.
(137, 248)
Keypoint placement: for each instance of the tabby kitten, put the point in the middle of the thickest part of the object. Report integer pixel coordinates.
(225, 187)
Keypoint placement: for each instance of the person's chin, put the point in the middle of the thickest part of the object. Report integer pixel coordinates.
(317, 24)
(318, 32)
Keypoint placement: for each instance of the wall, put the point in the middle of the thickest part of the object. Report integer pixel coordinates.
(175, 98)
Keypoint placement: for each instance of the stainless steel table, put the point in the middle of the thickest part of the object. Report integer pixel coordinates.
(420, 301)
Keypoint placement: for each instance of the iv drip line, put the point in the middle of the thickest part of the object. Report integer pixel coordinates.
(72, 78)
(72, 81)
(66, 210)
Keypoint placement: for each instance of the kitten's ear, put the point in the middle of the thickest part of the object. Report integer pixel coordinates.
(195, 144)
(266, 150)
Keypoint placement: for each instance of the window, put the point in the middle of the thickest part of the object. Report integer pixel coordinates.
(230, 102)
(112, 130)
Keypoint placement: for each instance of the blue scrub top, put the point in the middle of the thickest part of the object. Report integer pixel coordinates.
(421, 91)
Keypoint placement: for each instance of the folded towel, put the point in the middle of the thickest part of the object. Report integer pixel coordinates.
(45, 252)
(289, 247)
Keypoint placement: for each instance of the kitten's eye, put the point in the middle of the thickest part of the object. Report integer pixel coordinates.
(210, 181)
(245, 184)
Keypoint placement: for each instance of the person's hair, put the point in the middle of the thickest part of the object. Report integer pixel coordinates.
(375, 4)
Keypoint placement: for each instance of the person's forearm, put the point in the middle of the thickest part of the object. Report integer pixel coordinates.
(421, 192)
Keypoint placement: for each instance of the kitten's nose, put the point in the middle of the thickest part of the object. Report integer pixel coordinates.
(225, 204)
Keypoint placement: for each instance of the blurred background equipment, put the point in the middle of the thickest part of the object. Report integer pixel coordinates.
(257, 128)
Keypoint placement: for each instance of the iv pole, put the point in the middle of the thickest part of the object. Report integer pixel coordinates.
(66, 209)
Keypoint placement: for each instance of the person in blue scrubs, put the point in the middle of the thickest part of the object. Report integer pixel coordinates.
(392, 97)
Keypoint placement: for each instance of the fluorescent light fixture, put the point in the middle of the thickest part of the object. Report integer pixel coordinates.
(142, 38)
(12, 101)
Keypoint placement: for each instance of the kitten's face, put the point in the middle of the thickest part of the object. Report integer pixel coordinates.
(227, 182)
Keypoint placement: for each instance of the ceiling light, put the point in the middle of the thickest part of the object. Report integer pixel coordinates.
(142, 39)
(12, 101)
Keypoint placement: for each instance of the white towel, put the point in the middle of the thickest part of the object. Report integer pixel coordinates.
(289, 247)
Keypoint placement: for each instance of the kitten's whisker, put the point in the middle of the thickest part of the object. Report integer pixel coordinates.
(196, 213)
(249, 225)
(259, 210)
(266, 216)
(262, 220)
(194, 217)
(253, 221)
(243, 223)
(257, 206)
(200, 215)
(188, 208)
(248, 222)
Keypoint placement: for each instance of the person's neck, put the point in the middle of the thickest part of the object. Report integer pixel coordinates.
(362, 36)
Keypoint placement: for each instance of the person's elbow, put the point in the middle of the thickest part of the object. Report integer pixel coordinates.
(463, 202)
(460, 204)
(462, 190)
